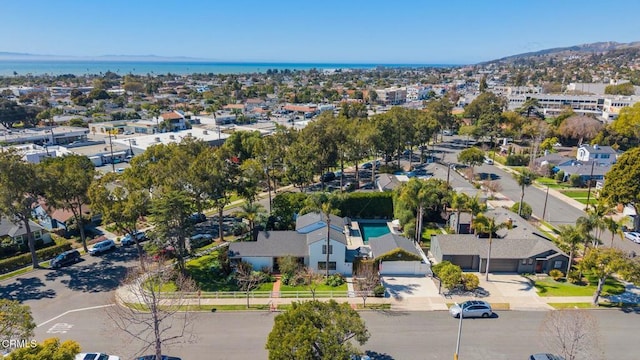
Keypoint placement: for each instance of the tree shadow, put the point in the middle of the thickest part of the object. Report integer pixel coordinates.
(97, 277)
(23, 289)
(378, 356)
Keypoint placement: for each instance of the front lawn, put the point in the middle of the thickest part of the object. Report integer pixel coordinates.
(550, 287)
(202, 270)
(320, 288)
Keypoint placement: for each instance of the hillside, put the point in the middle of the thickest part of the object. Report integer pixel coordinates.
(603, 48)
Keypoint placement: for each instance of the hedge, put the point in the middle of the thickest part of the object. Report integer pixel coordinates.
(20, 261)
(368, 205)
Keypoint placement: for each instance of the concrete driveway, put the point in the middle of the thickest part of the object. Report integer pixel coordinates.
(403, 287)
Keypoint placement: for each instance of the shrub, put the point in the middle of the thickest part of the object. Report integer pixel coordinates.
(334, 280)
(574, 276)
(559, 176)
(451, 276)
(526, 209)
(378, 291)
(575, 180)
(517, 160)
(24, 260)
(437, 267)
(556, 274)
(470, 281)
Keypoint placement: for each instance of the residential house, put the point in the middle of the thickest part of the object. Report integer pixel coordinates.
(176, 120)
(519, 248)
(308, 243)
(16, 231)
(58, 219)
(601, 155)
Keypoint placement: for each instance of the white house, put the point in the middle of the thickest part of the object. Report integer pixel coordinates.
(601, 155)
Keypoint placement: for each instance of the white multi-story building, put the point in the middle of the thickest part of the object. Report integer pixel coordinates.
(417, 92)
(392, 95)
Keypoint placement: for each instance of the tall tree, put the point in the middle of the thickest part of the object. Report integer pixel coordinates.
(67, 181)
(573, 334)
(316, 330)
(50, 349)
(16, 321)
(568, 240)
(487, 225)
(170, 212)
(252, 212)
(459, 202)
(164, 321)
(524, 179)
(604, 262)
(623, 183)
(20, 187)
(471, 157)
(120, 202)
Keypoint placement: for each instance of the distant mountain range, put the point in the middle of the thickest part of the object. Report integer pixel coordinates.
(13, 56)
(584, 49)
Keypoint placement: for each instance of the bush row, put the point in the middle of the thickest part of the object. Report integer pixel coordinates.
(20, 261)
(367, 205)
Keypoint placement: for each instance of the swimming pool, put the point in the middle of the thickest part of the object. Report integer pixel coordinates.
(371, 230)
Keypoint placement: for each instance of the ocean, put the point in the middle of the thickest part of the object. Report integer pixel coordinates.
(59, 67)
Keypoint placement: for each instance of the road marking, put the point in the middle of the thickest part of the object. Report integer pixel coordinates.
(75, 310)
(59, 328)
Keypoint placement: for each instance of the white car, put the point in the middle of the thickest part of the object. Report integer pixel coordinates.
(96, 356)
(102, 247)
(633, 236)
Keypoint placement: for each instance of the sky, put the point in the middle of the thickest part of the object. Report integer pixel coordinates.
(326, 31)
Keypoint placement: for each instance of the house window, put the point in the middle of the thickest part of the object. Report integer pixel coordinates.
(524, 261)
(18, 240)
(321, 265)
(530, 261)
(37, 235)
(557, 264)
(324, 249)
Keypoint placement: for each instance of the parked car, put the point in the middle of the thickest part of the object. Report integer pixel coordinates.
(471, 308)
(96, 356)
(633, 236)
(330, 176)
(128, 240)
(197, 218)
(545, 357)
(102, 247)
(200, 240)
(488, 161)
(66, 258)
(367, 166)
(153, 357)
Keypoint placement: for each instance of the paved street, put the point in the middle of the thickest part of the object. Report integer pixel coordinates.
(394, 335)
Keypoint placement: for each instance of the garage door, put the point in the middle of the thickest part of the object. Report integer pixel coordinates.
(402, 268)
(464, 261)
(503, 265)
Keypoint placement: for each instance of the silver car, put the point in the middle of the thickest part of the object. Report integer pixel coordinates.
(471, 308)
(633, 236)
(102, 247)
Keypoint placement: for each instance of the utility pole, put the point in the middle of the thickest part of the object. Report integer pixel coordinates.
(455, 356)
(448, 173)
(113, 165)
(544, 210)
(589, 188)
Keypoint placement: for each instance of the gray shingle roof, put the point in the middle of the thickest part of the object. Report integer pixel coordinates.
(8, 228)
(271, 244)
(321, 234)
(500, 248)
(383, 244)
(314, 217)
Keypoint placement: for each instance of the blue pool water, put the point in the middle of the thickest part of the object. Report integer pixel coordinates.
(371, 230)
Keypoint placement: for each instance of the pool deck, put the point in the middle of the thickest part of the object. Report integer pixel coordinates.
(355, 242)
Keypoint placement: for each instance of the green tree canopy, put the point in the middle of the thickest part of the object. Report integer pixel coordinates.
(316, 330)
(16, 321)
(628, 123)
(622, 185)
(50, 349)
(472, 156)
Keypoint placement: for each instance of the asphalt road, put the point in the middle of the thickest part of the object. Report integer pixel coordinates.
(88, 283)
(394, 335)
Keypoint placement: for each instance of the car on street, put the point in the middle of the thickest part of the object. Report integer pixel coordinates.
(153, 357)
(66, 258)
(330, 176)
(367, 166)
(488, 161)
(102, 247)
(96, 356)
(545, 357)
(128, 240)
(471, 308)
(197, 218)
(633, 236)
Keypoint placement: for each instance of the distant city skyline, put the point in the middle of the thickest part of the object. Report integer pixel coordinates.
(347, 31)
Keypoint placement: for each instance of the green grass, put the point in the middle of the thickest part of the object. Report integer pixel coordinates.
(550, 287)
(24, 270)
(215, 308)
(581, 196)
(267, 286)
(581, 305)
(201, 271)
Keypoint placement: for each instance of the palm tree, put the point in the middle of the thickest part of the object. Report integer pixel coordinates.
(459, 202)
(615, 227)
(488, 225)
(326, 205)
(476, 208)
(524, 178)
(252, 212)
(569, 238)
